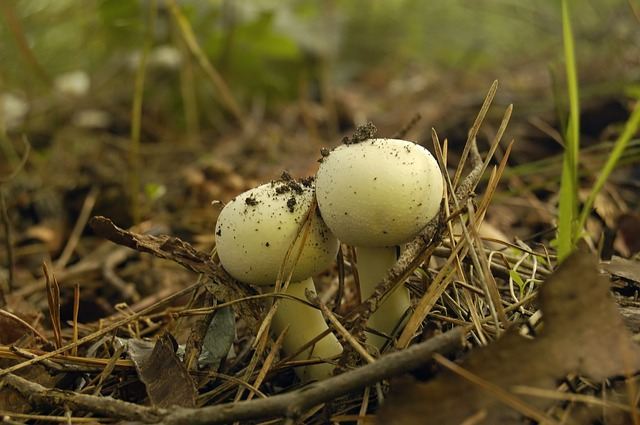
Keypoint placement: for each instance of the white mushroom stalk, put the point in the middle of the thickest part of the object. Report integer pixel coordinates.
(375, 195)
(254, 233)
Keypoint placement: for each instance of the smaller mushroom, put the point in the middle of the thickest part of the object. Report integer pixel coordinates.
(254, 233)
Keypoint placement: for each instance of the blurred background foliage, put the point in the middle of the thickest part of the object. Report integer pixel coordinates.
(267, 49)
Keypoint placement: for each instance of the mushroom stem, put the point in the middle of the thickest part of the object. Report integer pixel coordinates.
(305, 323)
(373, 264)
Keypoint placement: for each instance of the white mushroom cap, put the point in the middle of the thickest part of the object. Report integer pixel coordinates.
(379, 192)
(255, 230)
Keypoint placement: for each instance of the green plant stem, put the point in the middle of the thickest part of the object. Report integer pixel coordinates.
(631, 127)
(568, 204)
(136, 117)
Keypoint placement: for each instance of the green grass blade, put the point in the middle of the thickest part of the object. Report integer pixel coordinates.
(631, 127)
(568, 203)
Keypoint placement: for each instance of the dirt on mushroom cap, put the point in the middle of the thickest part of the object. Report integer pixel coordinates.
(378, 192)
(253, 236)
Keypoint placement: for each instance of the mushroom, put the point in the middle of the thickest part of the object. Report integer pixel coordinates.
(377, 194)
(253, 234)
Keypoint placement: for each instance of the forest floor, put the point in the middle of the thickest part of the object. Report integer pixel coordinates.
(100, 319)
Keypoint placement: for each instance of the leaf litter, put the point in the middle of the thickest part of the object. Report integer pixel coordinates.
(583, 334)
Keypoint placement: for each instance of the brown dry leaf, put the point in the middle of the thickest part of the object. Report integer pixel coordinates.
(166, 379)
(583, 334)
(621, 267)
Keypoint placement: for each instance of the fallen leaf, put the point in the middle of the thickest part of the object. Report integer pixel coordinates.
(583, 334)
(166, 379)
(218, 339)
(621, 267)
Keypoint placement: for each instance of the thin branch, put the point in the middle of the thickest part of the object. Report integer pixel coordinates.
(105, 406)
(294, 404)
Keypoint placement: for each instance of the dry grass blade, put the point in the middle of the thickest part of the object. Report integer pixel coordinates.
(353, 342)
(496, 141)
(429, 299)
(95, 335)
(292, 405)
(76, 311)
(275, 348)
(493, 300)
(8, 242)
(53, 298)
(26, 325)
(474, 131)
(81, 222)
(443, 278)
(580, 398)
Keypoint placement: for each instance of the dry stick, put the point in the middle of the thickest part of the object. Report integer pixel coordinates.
(8, 241)
(214, 76)
(289, 405)
(81, 222)
(106, 406)
(76, 311)
(294, 404)
(341, 274)
(496, 391)
(104, 331)
(8, 230)
(47, 418)
(23, 161)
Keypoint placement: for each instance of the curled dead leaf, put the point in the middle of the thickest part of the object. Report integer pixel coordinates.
(583, 334)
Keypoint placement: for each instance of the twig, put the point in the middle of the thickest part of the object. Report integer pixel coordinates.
(8, 242)
(7, 222)
(294, 404)
(76, 311)
(105, 406)
(83, 217)
(23, 161)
